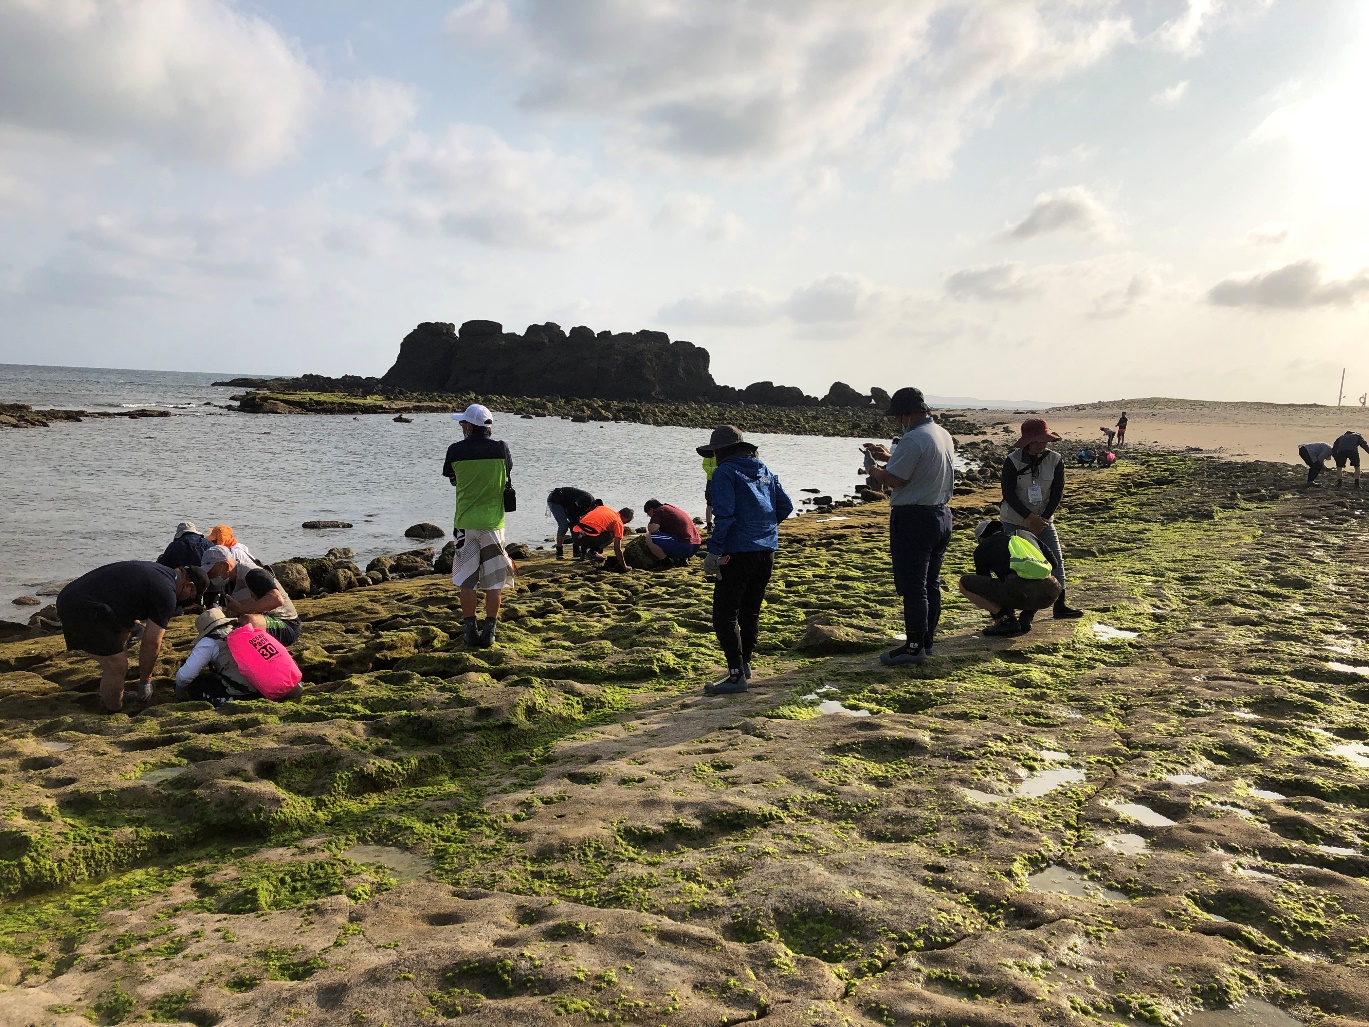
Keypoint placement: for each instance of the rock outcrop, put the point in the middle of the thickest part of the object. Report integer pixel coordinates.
(842, 395)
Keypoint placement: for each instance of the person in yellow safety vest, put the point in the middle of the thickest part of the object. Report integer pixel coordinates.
(1012, 573)
(710, 465)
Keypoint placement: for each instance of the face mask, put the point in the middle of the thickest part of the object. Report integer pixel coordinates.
(218, 584)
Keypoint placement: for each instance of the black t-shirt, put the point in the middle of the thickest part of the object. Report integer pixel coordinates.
(133, 590)
(260, 582)
(1347, 444)
(576, 501)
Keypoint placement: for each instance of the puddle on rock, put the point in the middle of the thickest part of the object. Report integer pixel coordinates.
(1233, 809)
(1053, 754)
(161, 774)
(1356, 752)
(975, 795)
(1062, 881)
(1186, 779)
(1108, 632)
(1127, 844)
(56, 746)
(833, 706)
(1252, 1012)
(1245, 715)
(1037, 784)
(1256, 875)
(1141, 814)
(407, 866)
(1346, 668)
(1265, 793)
(1338, 850)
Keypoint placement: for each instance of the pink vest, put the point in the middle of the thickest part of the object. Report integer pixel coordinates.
(265, 663)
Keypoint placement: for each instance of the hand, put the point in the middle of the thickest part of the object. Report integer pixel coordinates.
(877, 450)
(713, 563)
(1037, 524)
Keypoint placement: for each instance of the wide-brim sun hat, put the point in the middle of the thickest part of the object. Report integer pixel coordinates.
(1035, 430)
(723, 436)
(209, 621)
(186, 528)
(906, 401)
(475, 414)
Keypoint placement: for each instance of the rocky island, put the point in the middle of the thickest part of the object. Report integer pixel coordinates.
(1161, 809)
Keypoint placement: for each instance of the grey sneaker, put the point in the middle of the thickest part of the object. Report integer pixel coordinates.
(487, 634)
(746, 671)
(470, 634)
(730, 685)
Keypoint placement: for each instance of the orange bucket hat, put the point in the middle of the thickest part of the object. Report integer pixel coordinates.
(222, 535)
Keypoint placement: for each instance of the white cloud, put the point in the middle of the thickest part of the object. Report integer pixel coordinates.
(1171, 95)
(840, 297)
(1006, 281)
(743, 307)
(1300, 285)
(1185, 33)
(472, 184)
(378, 109)
(746, 85)
(1271, 233)
(1073, 209)
(685, 211)
(1123, 299)
(195, 79)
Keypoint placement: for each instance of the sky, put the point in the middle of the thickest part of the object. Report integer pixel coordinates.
(1067, 201)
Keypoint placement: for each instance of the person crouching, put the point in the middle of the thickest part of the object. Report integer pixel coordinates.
(1011, 573)
(210, 673)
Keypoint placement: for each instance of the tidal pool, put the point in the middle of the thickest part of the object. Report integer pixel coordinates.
(1037, 784)
(1356, 752)
(1141, 814)
(1252, 1012)
(1346, 668)
(1127, 844)
(1186, 779)
(1265, 793)
(1108, 632)
(56, 746)
(1063, 881)
(160, 774)
(407, 866)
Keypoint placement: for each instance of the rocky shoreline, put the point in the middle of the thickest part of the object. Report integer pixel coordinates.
(22, 415)
(1159, 809)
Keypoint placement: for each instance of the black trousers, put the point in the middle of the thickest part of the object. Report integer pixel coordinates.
(1314, 467)
(918, 537)
(737, 597)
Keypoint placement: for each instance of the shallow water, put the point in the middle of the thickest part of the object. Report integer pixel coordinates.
(835, 706)
(1186, 779)
(406, 866)
(1127, 844)
(1265, 793)
(160, 774)
(1109, 633)
(1062, 881)
(108, 490)
(1356, 752)
(1141, 814)
(1338, 850)
(1252, 1012)
(1053, 754)
(1037, 784)
(1346, 668)
(56, 746)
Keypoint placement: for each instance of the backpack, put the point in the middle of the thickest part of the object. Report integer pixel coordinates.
(265, 664)
(1026, 560)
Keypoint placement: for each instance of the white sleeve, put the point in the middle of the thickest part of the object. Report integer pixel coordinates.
(196, 662)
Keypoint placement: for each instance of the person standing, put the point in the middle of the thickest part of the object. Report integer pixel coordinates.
(1121, 429)
(1315, 455)
(186, 548)
(100, 609)
(748, 504)
(479, 467)
(1346, 450)
(567, 505)
(921, 473)
(1033, 483)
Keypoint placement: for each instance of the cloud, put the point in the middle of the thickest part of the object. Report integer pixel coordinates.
(378, 109)
(995, 282)
(1271, 233)
(838, 298)
(750, 85)
(1185, 33)
(195, 79)
(1073, 209)
(745, 307)
(1171, 95)
(1301, 285)
(472, 184)
(1123, 299)
(686, 211)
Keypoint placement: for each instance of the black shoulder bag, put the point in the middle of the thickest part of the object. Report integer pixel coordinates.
(510, 495)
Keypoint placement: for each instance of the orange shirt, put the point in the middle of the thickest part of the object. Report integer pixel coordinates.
(602, 520)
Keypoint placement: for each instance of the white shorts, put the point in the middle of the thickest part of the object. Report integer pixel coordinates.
(480, 560)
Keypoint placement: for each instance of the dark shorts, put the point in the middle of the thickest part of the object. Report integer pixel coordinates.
(1012, 593)
(594, 543)
(286, 632)
(674, 548)
(89, 627)
(1342, 458)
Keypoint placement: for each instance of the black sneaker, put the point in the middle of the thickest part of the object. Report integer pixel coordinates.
(903, 656)
(1063, 612)
(730, 685)
(560, 552)
(746, 670)
(487, 634)
(1003, 626)
(470, 633)
(1024, 619)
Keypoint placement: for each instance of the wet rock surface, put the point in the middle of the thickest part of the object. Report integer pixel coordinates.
(562, 829)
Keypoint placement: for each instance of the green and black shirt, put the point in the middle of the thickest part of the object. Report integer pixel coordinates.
(479, 468)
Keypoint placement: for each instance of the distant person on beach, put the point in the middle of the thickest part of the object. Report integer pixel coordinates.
(710, 464)
(479, 467)
(748, 504)
(567, 505)
(211, 673)
(1346, 450)
(186, 548)
(100, 609)
(671, 534)
(1121, 430)
(1110, 433)
(1011, 574)
(598, 528)
(1314, 455)
(1033, 482)
(921, 473)
(253, 594)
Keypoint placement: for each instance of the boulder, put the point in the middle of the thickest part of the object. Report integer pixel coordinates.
(293, 578)
(340, 553)
(340, 579)
(880, 397)
(445, 559)
(424, 531)
(380, 563)
(28, 601)
(409, 565)
(842, 395)
(518, 551)
(318, 525)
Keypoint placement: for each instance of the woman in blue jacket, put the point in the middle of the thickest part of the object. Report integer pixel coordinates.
(748, 504)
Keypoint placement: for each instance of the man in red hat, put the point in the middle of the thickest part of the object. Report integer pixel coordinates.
(1033, 485)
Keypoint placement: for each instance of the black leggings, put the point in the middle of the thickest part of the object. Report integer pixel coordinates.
(737, 597)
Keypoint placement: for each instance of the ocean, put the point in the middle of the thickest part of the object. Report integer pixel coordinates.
(81, 495)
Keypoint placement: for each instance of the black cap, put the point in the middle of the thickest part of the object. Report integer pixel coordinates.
(723, 436)
(906, 401)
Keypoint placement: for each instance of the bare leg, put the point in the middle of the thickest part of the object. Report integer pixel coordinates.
(113, 670)
(470, 602)
(493, 597)
(654, 549)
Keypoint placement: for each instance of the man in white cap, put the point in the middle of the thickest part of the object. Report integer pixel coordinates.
(479, 467)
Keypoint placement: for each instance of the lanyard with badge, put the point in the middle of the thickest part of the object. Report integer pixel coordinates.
(1034, 493)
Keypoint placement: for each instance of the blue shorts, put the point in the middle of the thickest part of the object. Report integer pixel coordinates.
(674, 548)
(562, 518)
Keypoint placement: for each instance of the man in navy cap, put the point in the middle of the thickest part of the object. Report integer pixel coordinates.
(921, 473)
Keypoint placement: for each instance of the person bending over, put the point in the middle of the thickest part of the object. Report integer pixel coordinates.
(254, 595)
(1011, 573)
(100, 609)
(748, 504)
(186, 548)
(567, 505)
(671, 534)
(598, 528)
(1033, 483)
(1346, 450)
(1314, 455)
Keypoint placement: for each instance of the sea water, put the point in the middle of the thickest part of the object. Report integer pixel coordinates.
(80, 495)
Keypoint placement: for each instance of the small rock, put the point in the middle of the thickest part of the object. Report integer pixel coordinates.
(340, 553)
(445, 559)
(380, 563)
(292, 577)
(340, 579)
(424, 530)
(28, 601)
(517, 551)
(316, 525)
(408, 565)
